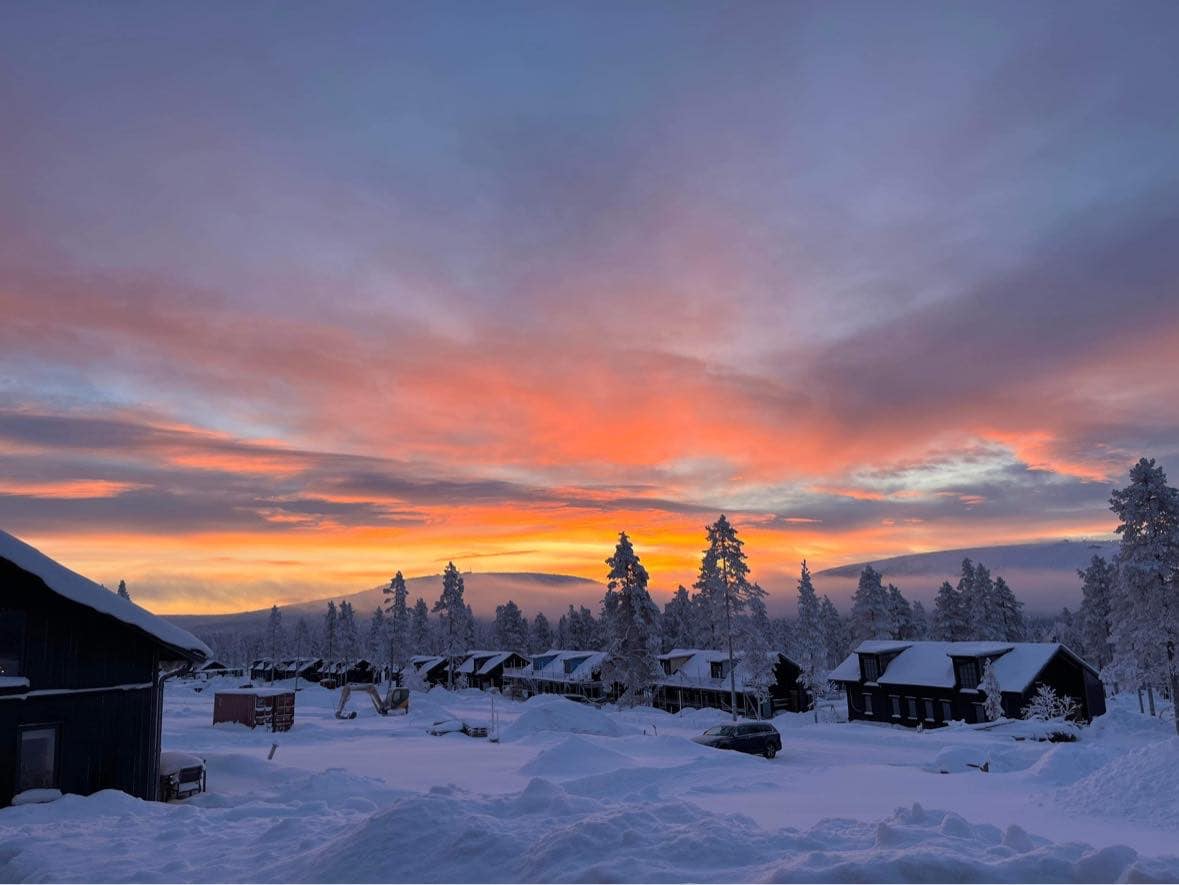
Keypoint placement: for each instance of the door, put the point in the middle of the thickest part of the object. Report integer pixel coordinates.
(36, 758)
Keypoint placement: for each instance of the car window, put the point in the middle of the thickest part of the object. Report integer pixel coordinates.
(718, 729)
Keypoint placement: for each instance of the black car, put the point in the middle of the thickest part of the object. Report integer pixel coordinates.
(747, 737)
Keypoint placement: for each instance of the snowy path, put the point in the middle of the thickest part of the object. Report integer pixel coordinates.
(377, 799)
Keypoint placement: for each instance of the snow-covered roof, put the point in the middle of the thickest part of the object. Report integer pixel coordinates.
(1015, 664)
(696, 669)
(552, 665)
(72, 586)
(425, 663)
(882, 646)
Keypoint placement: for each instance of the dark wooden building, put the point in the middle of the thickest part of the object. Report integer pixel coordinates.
(699, 678)
(485, 669)
(81, 696)
(932, 683)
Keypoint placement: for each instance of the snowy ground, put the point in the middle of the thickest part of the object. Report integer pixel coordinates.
(571, 793)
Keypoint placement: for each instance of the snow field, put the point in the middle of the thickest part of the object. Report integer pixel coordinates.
(574, 793)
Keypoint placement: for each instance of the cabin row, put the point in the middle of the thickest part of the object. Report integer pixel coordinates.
(327, 673)
(932, 683)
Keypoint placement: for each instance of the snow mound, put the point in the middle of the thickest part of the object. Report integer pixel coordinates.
(561, 715)
(545, 834)
(576, 757)
(1141, 785)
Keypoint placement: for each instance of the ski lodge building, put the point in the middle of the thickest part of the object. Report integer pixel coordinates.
(932, 683)
(694, 677)
(81, 695)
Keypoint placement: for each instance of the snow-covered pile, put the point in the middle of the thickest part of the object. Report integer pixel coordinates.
(554, 713)
(1141, 785)
(576, 757)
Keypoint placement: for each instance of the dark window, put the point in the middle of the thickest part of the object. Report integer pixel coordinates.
(871, 668)
(980, 713)
(867, 704)
(968, 674)
(928, 710)
(947, 711)
(37, 758)
(666, 666)
(717, 669)
(895, 701)
(911, 703)
(12, 642)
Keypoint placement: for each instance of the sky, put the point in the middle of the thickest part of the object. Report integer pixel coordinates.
(299, 294)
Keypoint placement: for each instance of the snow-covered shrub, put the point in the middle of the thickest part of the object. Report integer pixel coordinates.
(1047, 706)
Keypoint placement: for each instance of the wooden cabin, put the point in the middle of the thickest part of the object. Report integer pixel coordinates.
(932, 683)
(699, 678)
(81, 696)
(431, 669)
(561, 671)
(485, 669)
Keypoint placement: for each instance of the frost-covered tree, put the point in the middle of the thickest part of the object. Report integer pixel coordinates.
(949, 615)
(397, 602)
(900, 614)
(1146, 629)
(1047, 706)
(993, 703)
(870, 614)
(540, 636)
(420, 639)
(758, 657)
(920, 621)
(630, 656)
(1097, 589)
(725, 587)
(982, 610)
(511, 628)
(810, 640)
(471, 631)
(376, 643)
(677, 621)
(276, 640)
(349, 633)
(1010, 613)
(836, 633)
(122, 591)
(452, 615)
(331, 627)
(304, 645)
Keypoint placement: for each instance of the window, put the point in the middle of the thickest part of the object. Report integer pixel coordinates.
(968, 674)
(911, 703)
(867, 704)
(871, 668)
(717, 669)
(12, 642)
(666, 664)
(895, 701)
(980, 713)
(37, 758)
(929, 710)
(947, 712)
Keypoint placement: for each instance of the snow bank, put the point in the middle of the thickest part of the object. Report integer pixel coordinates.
(576, 757)
(554, 713)
(1141, 786)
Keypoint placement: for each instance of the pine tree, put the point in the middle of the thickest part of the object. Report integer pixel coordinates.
(900, 614)
(630, 656)
(377, 641)
(540, 637)
(920, 621)
(1010, 609)
(993, 704)
(870, 615)
(399, 625)
(811, 647)
(304, 646)
(758, 658)
(949, 617)
(1097, 589)
(419, 628)
(275, 638)
(982, 611)
(452, 612)
(563, 638)
(677, 621)
(122, 591)
(348, 632)
(511, 628)
(836, 633)
(331, 627)
(1148, 574)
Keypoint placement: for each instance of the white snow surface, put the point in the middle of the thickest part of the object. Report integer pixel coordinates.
(85, 592)
(632, 799)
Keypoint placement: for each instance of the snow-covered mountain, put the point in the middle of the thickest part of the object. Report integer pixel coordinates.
(1043, 575)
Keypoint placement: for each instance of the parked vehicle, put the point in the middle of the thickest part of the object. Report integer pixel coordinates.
(746, 737)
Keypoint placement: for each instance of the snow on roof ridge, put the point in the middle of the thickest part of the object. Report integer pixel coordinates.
(77, 588)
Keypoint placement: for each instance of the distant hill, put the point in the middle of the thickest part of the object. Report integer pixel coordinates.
(1043, 575)
(532, 591)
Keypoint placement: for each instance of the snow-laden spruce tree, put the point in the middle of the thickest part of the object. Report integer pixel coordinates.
(349, 632)
(1010, 613)
(949, 615)
(421, 638)
(725, 588)
(331, 627)
(758, 656)
(677, 621)
(836, 633)
(870, 614)
(634, 641)
(303, 644)
(276, 639)
(982, 610)
(397, 607)
(1148, 573)
(920, 621)
(540, 636)
(377, 640)
(122, 591)
(511, 628)
(810, 641)
(993, 703)
(452, 618)
(900, 614)
(1097, 589)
